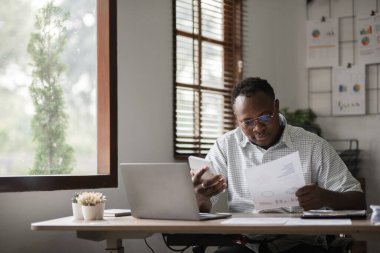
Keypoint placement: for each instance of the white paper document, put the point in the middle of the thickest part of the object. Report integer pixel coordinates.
(349, 92)
(322, 43)
(274, 184)
(285, 221)
(318, 222)
(255, 221)
(368, 39)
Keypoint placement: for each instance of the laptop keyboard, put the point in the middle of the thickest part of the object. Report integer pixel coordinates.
(210, 216)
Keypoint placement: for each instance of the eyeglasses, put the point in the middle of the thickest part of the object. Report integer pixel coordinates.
(263, 119)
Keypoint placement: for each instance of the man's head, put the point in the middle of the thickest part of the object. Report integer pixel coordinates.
(256, 110)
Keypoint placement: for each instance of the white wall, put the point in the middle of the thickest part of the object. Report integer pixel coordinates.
(275, 50)
(145, 133)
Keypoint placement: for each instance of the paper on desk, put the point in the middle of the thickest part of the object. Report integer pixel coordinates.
(255, 221)
(274, 184)
(318, 222)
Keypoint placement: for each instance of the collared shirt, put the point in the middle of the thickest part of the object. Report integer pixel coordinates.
(233, 154)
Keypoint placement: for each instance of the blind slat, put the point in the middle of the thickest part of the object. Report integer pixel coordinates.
(208, 39)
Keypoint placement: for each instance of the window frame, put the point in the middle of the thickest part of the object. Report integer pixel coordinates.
(232, 66)
(106, 119)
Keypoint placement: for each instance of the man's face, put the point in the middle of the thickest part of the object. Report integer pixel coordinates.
(257, 116)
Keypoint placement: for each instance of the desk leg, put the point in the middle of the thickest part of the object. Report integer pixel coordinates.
(114, 246)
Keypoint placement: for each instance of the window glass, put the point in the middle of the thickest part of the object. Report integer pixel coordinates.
(48, 87)
(212, 65)
(207, 58)
(212, 115)
(212, 19)
(187, 60)
(185, 111)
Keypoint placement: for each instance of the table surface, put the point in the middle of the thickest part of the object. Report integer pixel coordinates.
(131, 225)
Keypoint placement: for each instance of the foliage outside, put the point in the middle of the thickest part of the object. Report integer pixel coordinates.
(53, 155)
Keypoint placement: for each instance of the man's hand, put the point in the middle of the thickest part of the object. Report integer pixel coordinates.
(311, 197)
(207, 185)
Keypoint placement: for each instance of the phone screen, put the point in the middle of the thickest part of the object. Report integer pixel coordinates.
(196, 163)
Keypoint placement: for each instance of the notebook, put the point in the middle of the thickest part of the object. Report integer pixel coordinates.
(117, 212)
(334, 214)
(162, 191)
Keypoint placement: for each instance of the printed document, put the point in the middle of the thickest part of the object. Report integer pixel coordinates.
(255, 221)
(273, 184)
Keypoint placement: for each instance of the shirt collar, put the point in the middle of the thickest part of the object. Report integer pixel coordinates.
(284, 139)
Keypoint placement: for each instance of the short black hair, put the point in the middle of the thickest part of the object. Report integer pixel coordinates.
(250, 86)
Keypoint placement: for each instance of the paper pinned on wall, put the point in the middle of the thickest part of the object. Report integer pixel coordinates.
(322, 43)
(368, 42)
(349, 90)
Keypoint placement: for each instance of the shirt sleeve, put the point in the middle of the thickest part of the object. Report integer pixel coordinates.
(332, 173)
(219, 162)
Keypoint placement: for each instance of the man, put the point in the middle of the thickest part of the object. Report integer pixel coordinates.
(262, 136)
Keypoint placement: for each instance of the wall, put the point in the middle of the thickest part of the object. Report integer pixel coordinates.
(274, 49)
(145, 133)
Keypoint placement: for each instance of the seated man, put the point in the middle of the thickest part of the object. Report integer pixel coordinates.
(262, 136)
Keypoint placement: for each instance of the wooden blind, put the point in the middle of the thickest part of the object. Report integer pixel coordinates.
(207, 57)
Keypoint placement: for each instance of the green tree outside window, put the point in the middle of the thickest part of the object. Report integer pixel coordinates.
(53, 155)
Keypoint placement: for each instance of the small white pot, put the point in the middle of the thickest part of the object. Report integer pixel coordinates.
(93, 212)
(77, 211)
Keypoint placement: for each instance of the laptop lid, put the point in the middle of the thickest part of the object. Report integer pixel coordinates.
(160, 190)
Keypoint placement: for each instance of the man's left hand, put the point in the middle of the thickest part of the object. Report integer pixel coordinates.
(310, 197)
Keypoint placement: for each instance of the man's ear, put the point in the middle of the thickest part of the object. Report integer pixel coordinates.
(277, 104)
(233, 109)
(235, 116)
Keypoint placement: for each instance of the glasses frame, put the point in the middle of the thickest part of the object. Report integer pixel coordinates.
(247, 126)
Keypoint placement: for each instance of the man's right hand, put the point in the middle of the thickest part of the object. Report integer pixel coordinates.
(207, 185)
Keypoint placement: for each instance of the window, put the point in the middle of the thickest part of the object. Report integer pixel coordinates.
(86, 106)
(207, 59)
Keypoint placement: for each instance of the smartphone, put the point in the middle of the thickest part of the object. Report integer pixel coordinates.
(196, 163)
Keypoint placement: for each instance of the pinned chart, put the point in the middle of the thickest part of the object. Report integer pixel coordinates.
(349, 90)
(322, 43)
(368, 43)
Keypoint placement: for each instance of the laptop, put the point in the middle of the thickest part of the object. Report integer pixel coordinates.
(162, 191)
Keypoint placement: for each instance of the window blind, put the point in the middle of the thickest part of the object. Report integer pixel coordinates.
(207, 57)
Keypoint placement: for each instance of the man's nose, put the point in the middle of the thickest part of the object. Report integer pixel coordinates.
(258, 126)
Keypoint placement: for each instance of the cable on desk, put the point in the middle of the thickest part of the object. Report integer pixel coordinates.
(147, 244)
(173, 249)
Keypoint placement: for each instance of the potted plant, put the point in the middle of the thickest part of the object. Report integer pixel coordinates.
(77, 208)
(304, 118)
(93, 204)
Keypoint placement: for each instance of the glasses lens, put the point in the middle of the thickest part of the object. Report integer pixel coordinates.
(249, 122)
(264, 118)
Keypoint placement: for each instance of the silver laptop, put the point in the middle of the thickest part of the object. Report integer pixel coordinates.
(162, 191)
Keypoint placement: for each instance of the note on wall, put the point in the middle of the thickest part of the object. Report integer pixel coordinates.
(368, 34)
(322, 43)
(349, 90)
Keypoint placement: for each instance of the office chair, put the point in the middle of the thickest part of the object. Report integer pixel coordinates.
(339, 243)
(199, 242)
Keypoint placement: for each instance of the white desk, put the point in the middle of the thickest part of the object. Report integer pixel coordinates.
(114, 229)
